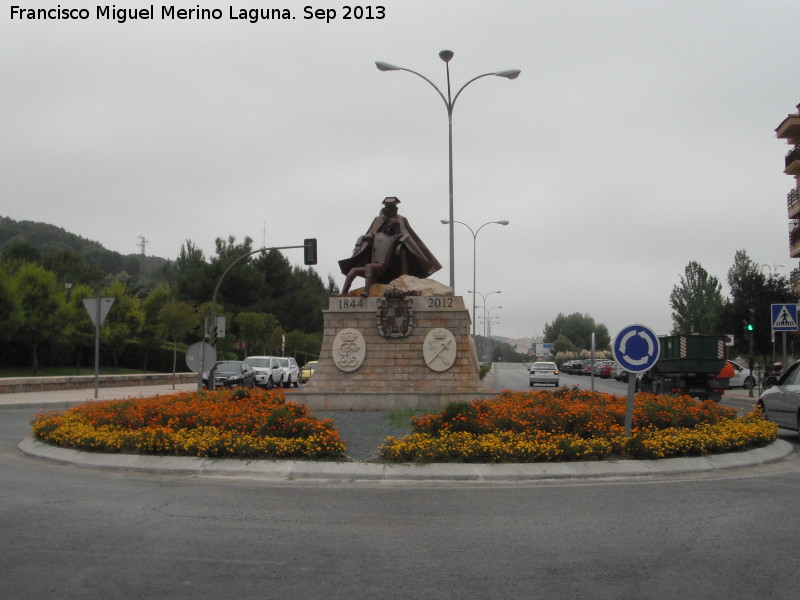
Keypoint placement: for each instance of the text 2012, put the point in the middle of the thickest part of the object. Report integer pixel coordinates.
(360, 13)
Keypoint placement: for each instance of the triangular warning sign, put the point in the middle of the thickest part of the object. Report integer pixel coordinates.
(785, 319)
(98, 308)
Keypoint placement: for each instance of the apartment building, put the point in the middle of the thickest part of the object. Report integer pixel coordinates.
(789, 130)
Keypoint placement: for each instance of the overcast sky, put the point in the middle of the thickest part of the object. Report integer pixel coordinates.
(639, 137)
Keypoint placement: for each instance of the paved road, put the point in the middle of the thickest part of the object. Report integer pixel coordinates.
(515, 376)
(83, 533)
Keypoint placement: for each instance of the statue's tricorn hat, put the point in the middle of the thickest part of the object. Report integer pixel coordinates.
(391, 200)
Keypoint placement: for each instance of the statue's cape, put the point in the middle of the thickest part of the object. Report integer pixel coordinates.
(421, 262)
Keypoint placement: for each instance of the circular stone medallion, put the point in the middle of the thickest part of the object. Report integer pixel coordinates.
(439, 349)
(349, 349)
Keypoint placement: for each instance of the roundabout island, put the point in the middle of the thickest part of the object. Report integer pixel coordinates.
(511, 437)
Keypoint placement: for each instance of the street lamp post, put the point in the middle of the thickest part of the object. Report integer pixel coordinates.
(489, 322)
(474, 257)
(449, 102)
(487, 328)
(487, 319)
(487, 316)
(473, 292)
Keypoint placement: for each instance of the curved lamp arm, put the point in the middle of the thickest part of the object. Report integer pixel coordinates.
(382, 66)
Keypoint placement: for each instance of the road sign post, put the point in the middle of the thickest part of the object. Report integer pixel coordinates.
(200, 357)
(98, 310)
(784, 318)
(636, 349)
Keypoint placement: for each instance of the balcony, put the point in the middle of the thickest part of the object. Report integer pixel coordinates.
(794, 278)
(789, 129)
(794, 239)
(793, 203)
(793, 161)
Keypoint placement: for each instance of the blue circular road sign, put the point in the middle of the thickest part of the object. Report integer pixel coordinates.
(636, 348)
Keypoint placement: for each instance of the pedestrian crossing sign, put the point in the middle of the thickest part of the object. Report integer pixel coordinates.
(784, 317)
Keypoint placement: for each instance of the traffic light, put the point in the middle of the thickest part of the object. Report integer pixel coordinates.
(749, 321)
(310, 251)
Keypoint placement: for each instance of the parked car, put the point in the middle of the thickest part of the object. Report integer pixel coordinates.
(781, 403)
(742, 377)
(291, 372)
(307, 371)
(586, 367)
(232, 373)
(572, 367)
(603, 369)
(269, 373)
(543, 372)
(618, 373)
(625, 375)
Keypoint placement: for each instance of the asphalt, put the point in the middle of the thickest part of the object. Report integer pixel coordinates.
(363, 467)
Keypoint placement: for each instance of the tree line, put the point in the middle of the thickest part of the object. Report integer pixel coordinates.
(270, 306)
(571, 335)
(698, 305)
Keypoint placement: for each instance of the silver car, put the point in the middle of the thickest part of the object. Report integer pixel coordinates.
(544, 372)
(269, 373)
(742, 377)
(291, 372)
(781, 403)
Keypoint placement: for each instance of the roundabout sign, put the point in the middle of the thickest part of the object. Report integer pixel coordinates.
(636, 348)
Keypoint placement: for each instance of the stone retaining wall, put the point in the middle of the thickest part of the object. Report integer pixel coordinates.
(11, 385)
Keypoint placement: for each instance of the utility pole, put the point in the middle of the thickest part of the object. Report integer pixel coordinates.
(749, 326)
(142, 243)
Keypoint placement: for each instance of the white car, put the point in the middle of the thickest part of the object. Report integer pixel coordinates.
(781, 403)
(291, 372)
(742, 377)
(544, 372)
(269, 373)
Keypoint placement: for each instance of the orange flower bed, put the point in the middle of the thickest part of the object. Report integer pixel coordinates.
(242, 423)
(575, 425)
(580, 412)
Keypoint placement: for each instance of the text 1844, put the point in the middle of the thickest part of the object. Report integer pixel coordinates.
(351, 303)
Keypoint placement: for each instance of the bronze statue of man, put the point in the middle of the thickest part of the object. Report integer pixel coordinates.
(390, 248)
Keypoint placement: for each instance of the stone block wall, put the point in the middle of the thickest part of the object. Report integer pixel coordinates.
(12, 385)
(397, 365)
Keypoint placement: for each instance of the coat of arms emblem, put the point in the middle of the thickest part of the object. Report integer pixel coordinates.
(395, 314)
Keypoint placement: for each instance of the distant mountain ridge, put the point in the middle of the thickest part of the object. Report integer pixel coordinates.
(50, 239)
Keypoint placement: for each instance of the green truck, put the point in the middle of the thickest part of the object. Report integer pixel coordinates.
(688, 365)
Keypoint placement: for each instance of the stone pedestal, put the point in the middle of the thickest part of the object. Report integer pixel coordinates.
(363, 367)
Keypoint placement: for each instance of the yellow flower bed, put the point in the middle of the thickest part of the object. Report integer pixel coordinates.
(255, 424)
(537, 426)
(726, 436)
(460, 432)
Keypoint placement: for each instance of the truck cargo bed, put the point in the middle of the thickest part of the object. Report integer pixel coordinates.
(691, 354)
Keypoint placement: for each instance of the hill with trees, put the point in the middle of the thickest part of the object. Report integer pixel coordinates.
(271, 306)
(75, 258)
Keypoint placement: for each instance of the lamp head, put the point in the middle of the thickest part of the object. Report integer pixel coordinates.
(512, 74)
(445, 222)
(503, 222)
(383, 66)
(446, 55)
